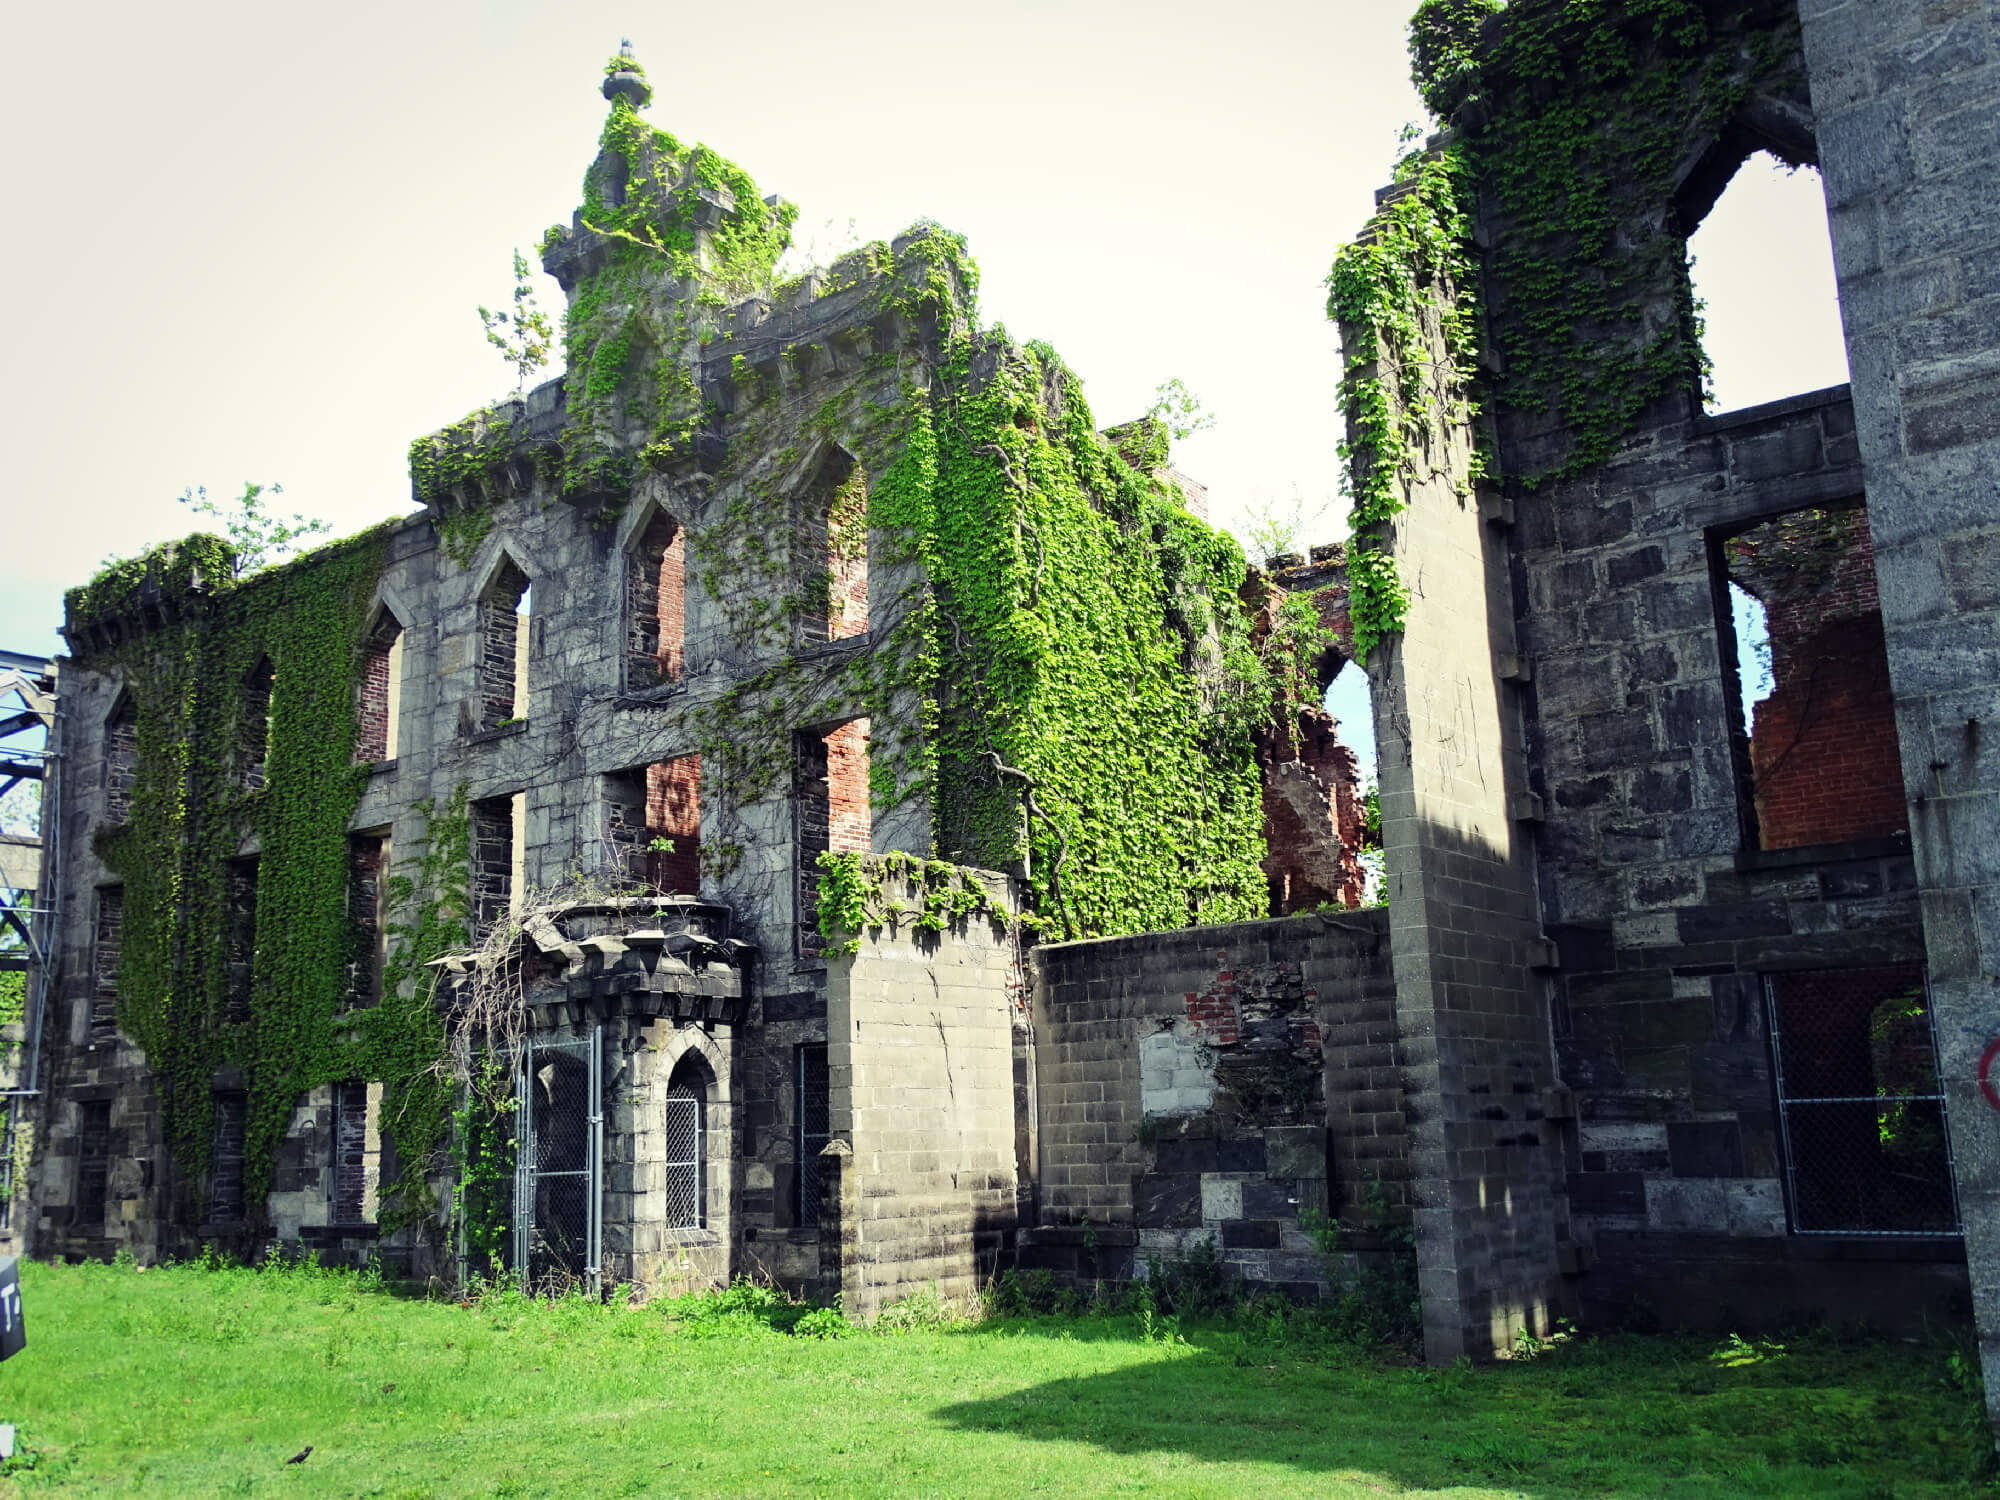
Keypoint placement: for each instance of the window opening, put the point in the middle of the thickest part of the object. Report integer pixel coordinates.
(225, 1179)
(1761, 265)
(1860, 1109)
(255, 726)
(684, 1172)
(356, 1151)
(815, 1129)
(832, 551)
(831, 813)
(121, 761)
(656, 607)
(381, 692)
(93, 1164)
(652, 818)
(1315, 794)
(503, 661)
(104, 965)
(240, 941)
(367, 885)
(495, 863)
(1813, 714)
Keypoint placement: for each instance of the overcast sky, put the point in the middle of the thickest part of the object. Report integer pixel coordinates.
(250, 242)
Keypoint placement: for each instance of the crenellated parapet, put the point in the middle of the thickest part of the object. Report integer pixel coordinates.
(641, 957)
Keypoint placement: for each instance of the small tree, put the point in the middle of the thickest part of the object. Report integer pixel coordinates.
(523, 336)
(1179, 410)
(1274, 527)
(260, 537)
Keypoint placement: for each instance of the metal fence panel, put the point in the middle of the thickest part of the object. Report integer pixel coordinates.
(815, 1107)
(558, 1174)
(1860, 1112)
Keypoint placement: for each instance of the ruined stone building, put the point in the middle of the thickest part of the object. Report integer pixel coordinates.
(879, 832)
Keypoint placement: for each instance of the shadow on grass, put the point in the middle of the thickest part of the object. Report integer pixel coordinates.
(1623, 1417)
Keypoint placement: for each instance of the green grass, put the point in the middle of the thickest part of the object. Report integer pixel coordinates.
(179, 1381)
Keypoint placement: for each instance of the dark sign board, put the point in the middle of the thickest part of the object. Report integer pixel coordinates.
(13, 1333)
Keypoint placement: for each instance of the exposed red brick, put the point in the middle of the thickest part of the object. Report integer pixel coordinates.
(830, 811)
(371, 739)
(673, 811)
(1313, 816)
(1825, 761)
(656, 606)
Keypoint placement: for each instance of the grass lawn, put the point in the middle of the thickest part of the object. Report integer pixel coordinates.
(179, 1381)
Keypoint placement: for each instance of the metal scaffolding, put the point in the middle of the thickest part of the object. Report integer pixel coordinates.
(30, 889)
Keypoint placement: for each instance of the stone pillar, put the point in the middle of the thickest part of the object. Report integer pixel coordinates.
(1905, 93)
(1472, 1023)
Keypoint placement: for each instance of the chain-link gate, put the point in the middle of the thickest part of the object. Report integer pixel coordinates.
(1860, 1113)
(559, 1163)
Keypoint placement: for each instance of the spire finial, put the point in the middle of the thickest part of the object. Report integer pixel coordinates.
(624, 77)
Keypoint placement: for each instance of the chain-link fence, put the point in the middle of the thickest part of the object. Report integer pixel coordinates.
(1861, 1116)
(559, 1167)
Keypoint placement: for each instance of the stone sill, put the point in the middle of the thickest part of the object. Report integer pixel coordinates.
(821, 649)
(501, 732)
(652, 697)
(690, 1237)
(1750, 416)
(382, 767)
(1823, 854)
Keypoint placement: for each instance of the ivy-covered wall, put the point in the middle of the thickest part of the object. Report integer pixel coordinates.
(181, 638)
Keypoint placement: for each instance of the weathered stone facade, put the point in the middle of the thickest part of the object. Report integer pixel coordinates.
(1645, 1031)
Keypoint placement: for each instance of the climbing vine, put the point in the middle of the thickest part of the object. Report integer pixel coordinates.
(1405, 297)
(194, 810)
(1574, 119)
(871, 892)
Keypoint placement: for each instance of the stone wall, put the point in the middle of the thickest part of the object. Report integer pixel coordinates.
(1212, 1085)
(920, 1187)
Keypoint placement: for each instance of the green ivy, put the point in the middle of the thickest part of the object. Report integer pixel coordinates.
(192, 812)
(1409, 281)
(1574, 117)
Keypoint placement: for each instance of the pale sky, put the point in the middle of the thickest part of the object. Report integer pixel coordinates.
(250, 241)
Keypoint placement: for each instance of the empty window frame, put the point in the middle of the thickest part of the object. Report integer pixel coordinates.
(93, 1166)
(239, 955)
(1760, 268)
(814, 1129)
(830, 813)
(381, 692)
(505, 611)
(356, 1152)
(104, 965)
(830, 541)
(684, 1136)
(1812, 715)
(367, 892)
(253, 746)
(225, 1174)
(121, 760)
(497, 857)
(1860, 1110)
(656, 606)
(652, 817)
